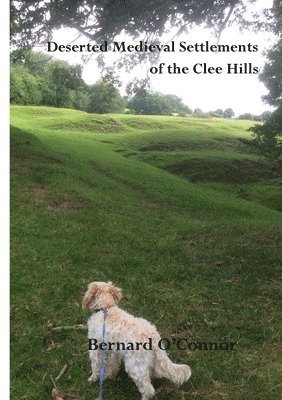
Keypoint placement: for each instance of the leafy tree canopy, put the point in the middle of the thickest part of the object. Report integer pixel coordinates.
(272, 75)
(219, 112)
(24, 87)
(268, 136)
(33, 21)
(247, 116)
(154, 103)
(228, 113)
(104, 97)
(38, 79)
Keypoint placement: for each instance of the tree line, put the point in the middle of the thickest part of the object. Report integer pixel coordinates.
(37, 79)
(33, 21)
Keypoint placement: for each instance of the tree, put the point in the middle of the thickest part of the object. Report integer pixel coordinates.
(150, 103)
(219, 113)
(228, 113)
(176, 104)
(80, 100)
(61, 79)
(247, 115)
(268, 136)
(265, 116)
(104, 97)
(154, 103)
(35, 62)
(198, 112)
(272, 75)
(38, 79)
(24, 87)
(33, 21)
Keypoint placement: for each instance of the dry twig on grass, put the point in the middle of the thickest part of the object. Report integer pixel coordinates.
(63, 370)
(77, 327)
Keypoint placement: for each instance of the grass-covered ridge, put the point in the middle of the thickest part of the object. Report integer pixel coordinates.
(142, 201)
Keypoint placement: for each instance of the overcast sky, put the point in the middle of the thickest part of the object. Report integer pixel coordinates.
(241, 92)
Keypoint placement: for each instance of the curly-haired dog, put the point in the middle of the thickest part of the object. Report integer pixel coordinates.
(123, 332)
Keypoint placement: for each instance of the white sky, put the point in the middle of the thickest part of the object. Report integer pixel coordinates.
(241, 92)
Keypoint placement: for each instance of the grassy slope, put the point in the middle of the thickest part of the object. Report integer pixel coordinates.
(111, 198)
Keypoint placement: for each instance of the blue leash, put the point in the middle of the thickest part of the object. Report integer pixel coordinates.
(102, 354)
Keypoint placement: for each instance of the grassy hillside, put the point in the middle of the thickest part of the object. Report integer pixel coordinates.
(181, 213)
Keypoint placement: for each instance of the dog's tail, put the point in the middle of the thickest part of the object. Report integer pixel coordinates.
(164, 368)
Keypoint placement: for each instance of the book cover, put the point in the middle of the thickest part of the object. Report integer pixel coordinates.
(145, 199)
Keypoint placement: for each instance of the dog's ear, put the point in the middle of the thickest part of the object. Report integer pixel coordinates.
(90, 295)
(116, 293)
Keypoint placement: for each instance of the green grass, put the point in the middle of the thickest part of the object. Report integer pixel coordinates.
(181, 213)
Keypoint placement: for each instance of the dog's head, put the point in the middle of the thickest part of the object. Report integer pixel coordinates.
(101, 295)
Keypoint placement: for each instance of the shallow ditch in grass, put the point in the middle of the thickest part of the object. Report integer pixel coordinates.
(220, 170)
(96, 125)
(249, 179)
